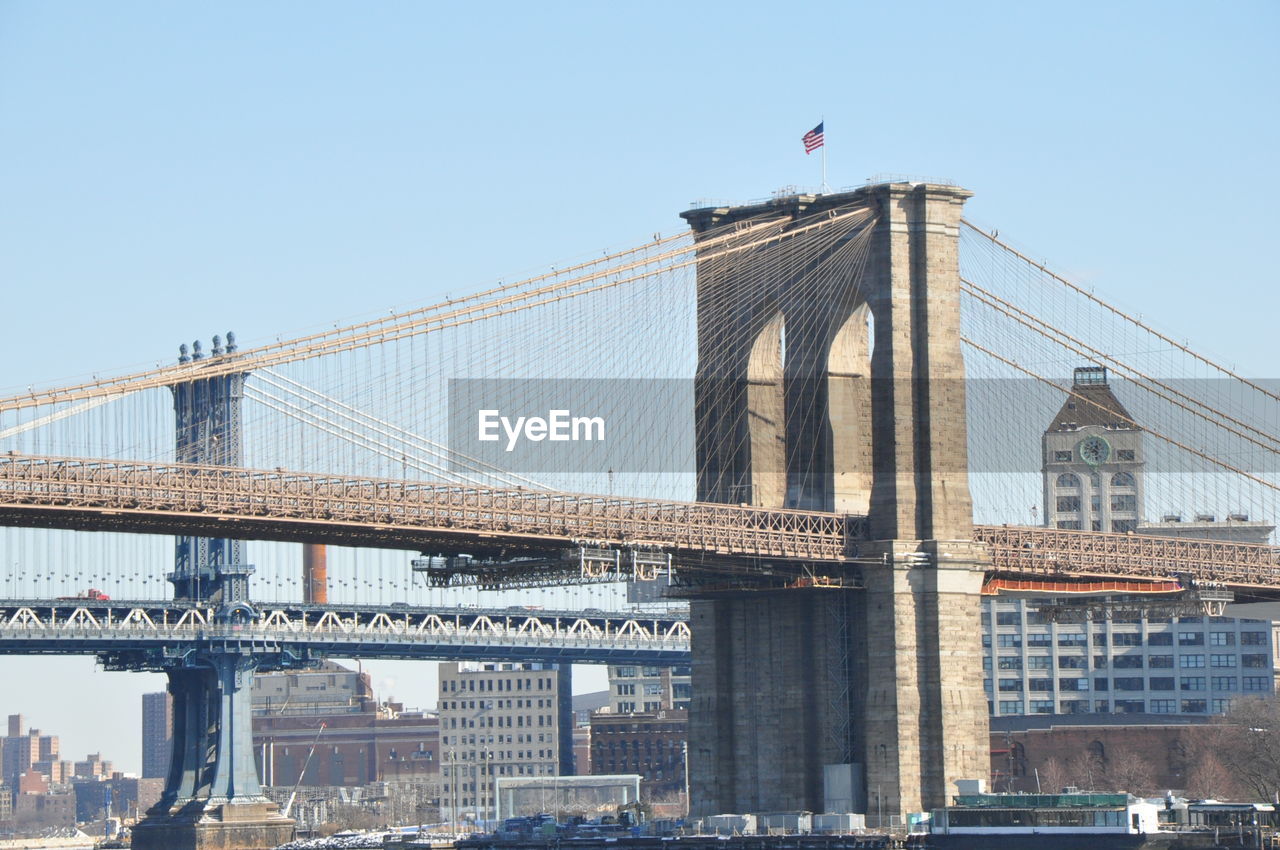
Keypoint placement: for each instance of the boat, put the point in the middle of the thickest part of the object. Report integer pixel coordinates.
(1067, 821)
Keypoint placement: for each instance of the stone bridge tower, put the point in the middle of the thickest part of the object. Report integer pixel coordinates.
(846, 397)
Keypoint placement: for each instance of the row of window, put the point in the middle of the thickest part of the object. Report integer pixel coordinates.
(1118, 526)
(483, 740)
(648, 671)
(487, 704)
(453, 686)
(1014, 639)
(1128, 662)
(509, 755)
(1069, 480)
(1249, 684)
(1121, 455)
(1120, 503)
(1120, 706)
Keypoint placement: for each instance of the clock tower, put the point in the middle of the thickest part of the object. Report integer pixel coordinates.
(1093, 460)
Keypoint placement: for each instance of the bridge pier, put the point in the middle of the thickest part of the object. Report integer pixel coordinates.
(212, 798)
(877, 689)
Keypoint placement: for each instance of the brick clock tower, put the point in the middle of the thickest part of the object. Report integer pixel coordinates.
(1093, 460)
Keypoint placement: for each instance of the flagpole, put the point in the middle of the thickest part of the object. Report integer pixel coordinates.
(823, 122)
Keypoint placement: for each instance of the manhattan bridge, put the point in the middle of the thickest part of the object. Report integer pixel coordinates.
(821, 419)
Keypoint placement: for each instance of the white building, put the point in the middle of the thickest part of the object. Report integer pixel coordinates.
(1093, 481)
(649, 688)
(500, 720)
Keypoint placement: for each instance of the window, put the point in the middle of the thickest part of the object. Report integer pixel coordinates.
(1072, 640)
(1100, 639)
(1008, 641)
(1008, 618)
(1039, 639)
(1123, 526)
(1040, 662)
(1042, 706)
(1010, 706)
(1101, 706)
(1222, 639)
(986, 663)
(1160, 639)
(1062, 457)
(1250, 660)
(1073, 684)
(1128, 683)
(1161, 683)
(1192, 683)
(1127, 662)
(1073, 662)
(1190, 638)
(1068, 504)
(1163, 706)
(1100, 662)
(1256, 684)
(1190, 661)
(1127, 503)
(1130, 706)
(1253, 638)
(1123, 479)
(1075, 706)
(1095, 505)
(1066, 479)
(1221, 706)
(1069, 524)
(626, 672)
(1011, 684)
(1100, 684)
(1010, 662)
(1126, 639)
(1223, 683)
(1040, 684)
(1194, 706)
(1222, 661)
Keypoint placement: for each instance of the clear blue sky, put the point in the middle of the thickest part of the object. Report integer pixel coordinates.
(169, 171)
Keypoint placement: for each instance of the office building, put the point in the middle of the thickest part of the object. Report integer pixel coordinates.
(500, 720)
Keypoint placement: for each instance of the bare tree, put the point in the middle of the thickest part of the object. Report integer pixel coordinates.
(1249, 741)
(1086, 770)
(1054, 775)
(1209, 779)
(1129, 772)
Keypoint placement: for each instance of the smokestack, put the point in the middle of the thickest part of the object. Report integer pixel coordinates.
(315, 574)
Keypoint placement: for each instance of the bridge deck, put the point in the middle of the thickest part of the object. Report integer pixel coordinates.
(251, 504)
(79, 627)
(103, 495)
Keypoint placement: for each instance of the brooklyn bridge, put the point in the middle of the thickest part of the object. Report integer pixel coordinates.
(823, 418)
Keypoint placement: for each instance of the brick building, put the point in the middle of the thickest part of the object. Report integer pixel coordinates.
(1056, 750)
(361, 742)
(651, 744)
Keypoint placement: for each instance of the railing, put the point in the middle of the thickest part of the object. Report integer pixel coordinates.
(64, 627)
(1048, 551)
(394, 513)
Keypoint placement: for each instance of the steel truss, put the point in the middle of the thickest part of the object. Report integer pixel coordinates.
(153, 635)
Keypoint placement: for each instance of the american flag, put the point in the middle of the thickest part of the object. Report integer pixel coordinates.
(813, 139)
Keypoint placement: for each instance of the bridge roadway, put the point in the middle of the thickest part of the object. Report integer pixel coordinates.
(284, 634)
(126, 496)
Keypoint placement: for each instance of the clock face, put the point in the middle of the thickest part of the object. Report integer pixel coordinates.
(1094, 450)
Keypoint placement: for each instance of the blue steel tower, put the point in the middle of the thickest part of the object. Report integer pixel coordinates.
(212, 797)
